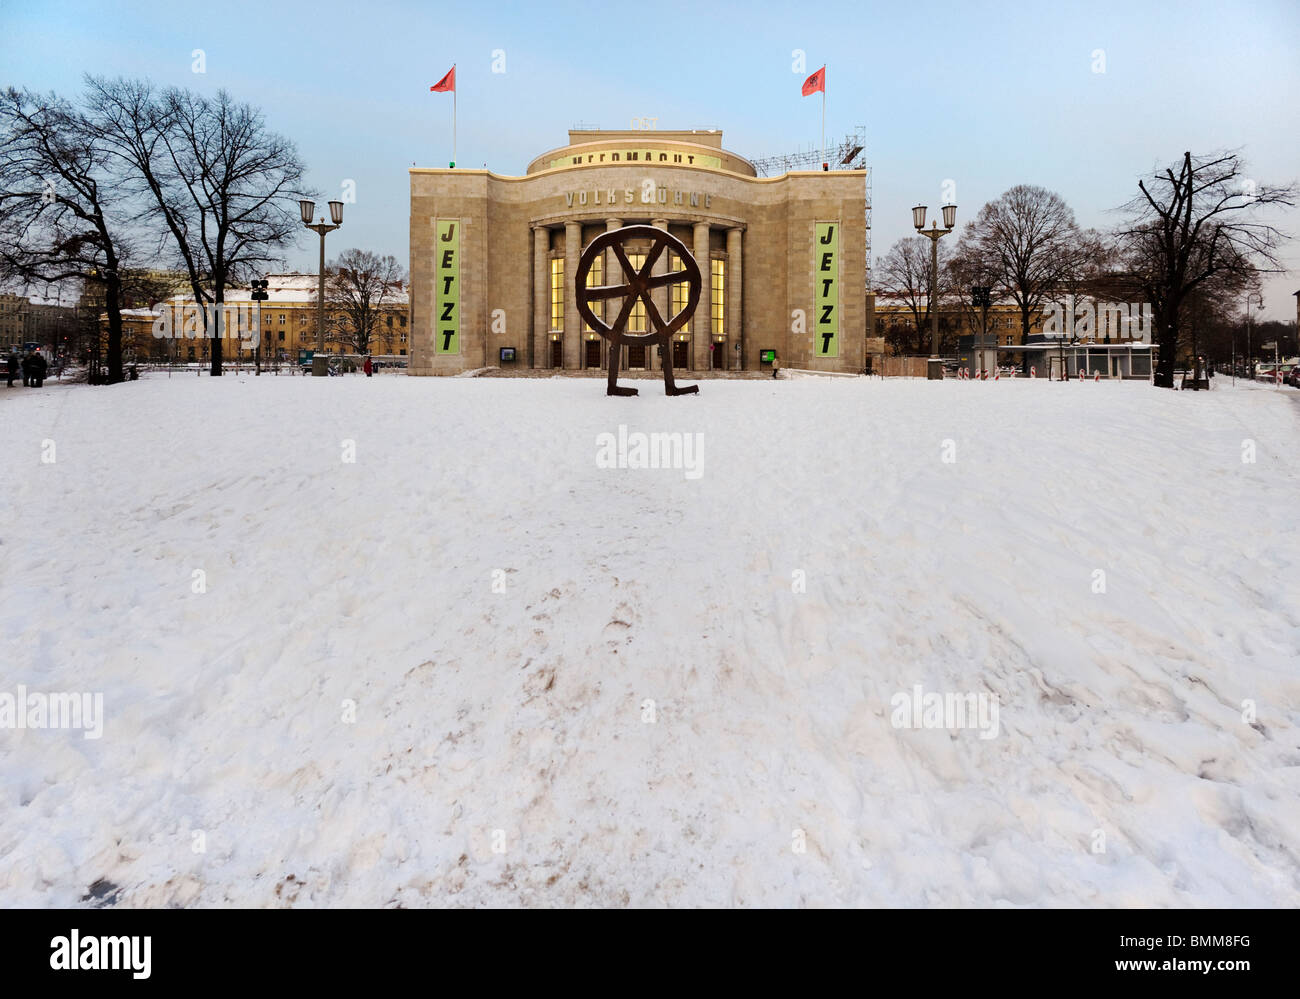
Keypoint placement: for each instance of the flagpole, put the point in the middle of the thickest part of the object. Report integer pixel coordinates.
(453, 116)
(823, 119)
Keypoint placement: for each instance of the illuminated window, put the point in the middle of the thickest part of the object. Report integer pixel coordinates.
(595, 277)
(681, 291)
(636, 321)
(718, 275)
(557, 294)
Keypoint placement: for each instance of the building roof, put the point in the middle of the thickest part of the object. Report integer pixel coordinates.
(292, 288)
(686, 148)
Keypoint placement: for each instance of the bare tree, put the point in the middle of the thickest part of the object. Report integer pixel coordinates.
(360, 289)
(64, 214)
(224, 185)
(1025, 238)
(904, 273)
(1194, 226)
(967, 271)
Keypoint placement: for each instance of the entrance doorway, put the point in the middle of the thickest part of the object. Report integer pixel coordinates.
(636, 355)
(681, 354)
(593, 353)
(557, 354)
(718, 356)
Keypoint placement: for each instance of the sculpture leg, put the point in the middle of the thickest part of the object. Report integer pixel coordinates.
(613, 388)
(670, 386)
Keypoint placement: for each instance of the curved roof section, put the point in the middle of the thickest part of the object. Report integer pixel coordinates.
(680, 148)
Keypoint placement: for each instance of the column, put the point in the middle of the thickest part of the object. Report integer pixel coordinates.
(539, 345)
(572, 324)
(659, 296)
(703, 312)
(733, 319)
(613, 275)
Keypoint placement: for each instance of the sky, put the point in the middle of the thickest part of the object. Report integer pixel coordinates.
(1080, 98)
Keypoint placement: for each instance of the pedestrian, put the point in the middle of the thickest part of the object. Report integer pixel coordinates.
(12, 365)
(368, 368)
(38, 369)
(776, 364)
(26, 365)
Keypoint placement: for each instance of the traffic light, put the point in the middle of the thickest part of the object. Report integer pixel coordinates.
(259, 291)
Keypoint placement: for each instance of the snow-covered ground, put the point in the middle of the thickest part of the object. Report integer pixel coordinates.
(344, 709)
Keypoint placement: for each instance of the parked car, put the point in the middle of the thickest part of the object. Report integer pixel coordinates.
(335, 365)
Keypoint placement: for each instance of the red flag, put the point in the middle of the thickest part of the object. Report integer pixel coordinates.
(815, 82)
(448, 82)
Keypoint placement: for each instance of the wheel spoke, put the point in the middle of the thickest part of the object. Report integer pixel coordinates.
(652, 314)
(628, 269)
(655, 252)
(602, 291)
(620, 323)
(672, 277)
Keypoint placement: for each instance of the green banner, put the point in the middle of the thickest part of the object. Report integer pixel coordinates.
(826, 294)
(446, 316)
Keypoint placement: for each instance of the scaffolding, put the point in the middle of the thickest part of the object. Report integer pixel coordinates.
(850, 154)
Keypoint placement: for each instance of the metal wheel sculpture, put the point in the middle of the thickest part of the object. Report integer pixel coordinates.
(637, 285)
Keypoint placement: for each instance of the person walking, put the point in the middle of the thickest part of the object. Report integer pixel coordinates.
(39, 366)
(12, 366)
(776, 364)
(368, 368)
(26, 365)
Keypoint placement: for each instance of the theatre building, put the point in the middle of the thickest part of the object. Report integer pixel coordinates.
(782, 259)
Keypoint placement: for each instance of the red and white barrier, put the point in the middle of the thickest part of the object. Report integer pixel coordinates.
(1096, 376)
(1033, 371)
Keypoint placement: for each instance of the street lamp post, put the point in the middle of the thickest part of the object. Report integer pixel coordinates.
(981, 299)
(308, 207)
(934, 370)
(1250, 365)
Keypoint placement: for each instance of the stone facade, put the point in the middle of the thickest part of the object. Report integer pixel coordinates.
(13, 318)
(512, 230)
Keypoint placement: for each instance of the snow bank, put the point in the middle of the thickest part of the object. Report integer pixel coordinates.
(424, 677)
